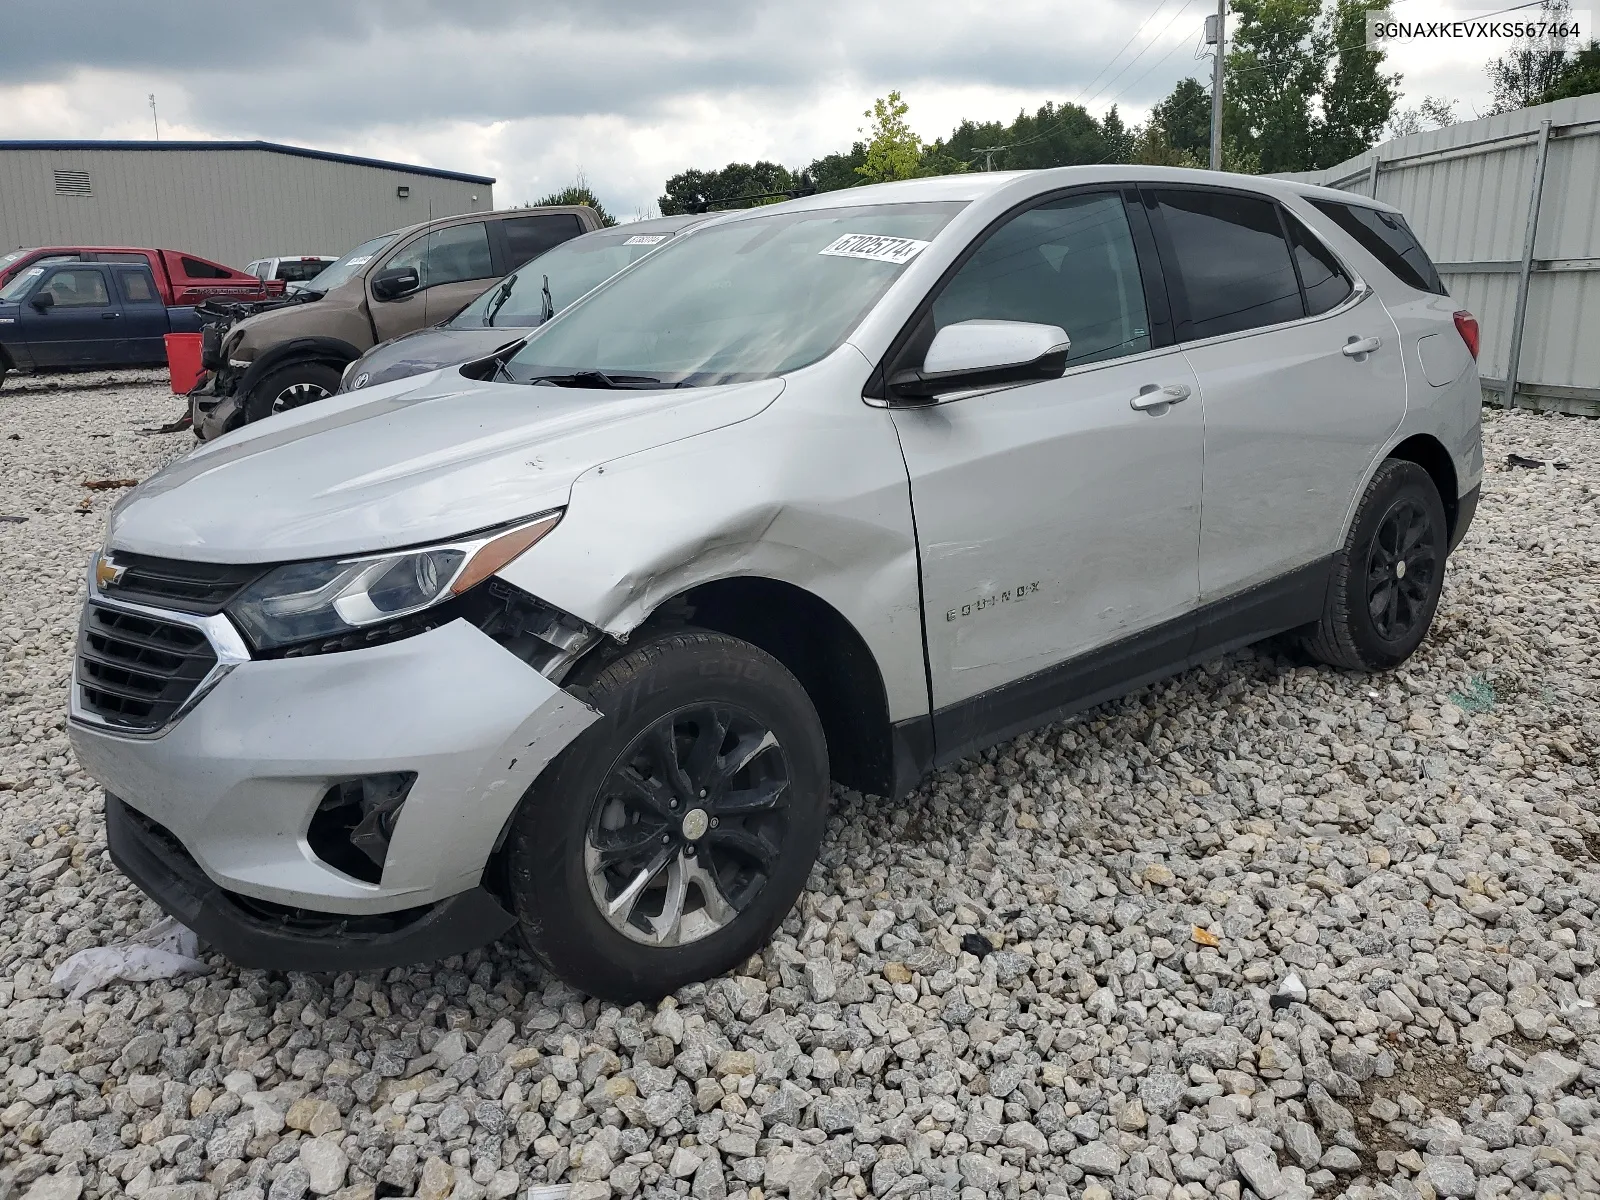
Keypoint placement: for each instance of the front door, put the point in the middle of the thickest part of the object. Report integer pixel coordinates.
(1295, 413)
(454, 267)
(81, 327)
(1053, 518)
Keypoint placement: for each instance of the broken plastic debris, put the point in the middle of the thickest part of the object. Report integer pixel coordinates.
(100, 485)
(8, 519)
(164, 951)
(1290, 991)
(976, 945)
(547, 1191)
(1204, 937)
(1532, 464)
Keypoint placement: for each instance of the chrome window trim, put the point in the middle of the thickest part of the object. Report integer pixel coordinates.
(1362, 292)
(226, 643)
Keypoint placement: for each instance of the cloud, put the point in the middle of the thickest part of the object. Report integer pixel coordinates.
(630, 91)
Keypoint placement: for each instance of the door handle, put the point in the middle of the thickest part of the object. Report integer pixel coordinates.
(1355, 347)
(109, 316)
(1154, 396)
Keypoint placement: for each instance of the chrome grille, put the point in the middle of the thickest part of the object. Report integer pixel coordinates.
(193, 587)
(135, 672)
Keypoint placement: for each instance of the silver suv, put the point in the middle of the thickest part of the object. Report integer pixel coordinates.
(572, 639)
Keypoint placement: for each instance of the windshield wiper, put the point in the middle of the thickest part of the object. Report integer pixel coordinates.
(598, 379)
(500, 298)
(549, 308)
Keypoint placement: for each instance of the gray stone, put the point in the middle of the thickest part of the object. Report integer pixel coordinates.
(1097, 1158)
(325, 1165)
(1259, 1168)
(1450, 1178)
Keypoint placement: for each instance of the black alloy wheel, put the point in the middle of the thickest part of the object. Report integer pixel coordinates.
(687, 826)
(671, 837)
(1385, 582)
(1400, 570)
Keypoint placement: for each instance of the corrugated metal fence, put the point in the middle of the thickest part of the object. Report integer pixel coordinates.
(1509, 208)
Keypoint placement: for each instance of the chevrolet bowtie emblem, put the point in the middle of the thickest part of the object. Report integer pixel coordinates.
(107, 573)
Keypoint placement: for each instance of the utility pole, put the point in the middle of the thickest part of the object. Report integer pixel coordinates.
(988, 153)
(1217, 36)
(153, 120)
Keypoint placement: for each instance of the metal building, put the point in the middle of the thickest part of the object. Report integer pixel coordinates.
(1509, 208)
(227, 201)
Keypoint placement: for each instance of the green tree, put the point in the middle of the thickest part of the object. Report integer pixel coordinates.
(894, 151)
(1358, 98)
(688, 190)
(1524, 75)
(1184, 121)
(839, 170)
(1274, 74)
(1580, 76)
(578, 192)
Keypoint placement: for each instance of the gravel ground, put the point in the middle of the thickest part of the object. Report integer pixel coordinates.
(1265, 929)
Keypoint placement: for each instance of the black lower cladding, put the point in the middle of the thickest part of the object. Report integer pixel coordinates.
(264, 936)
(1213, 629)
(1466, 507)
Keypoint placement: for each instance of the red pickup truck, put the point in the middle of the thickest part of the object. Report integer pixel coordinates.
(181, 279)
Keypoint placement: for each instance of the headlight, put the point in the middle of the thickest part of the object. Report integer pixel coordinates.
(312, 601)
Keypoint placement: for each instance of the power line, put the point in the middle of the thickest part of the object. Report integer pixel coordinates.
(1110, 62)
(1142, 53)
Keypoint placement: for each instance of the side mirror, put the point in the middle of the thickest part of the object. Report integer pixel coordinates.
(980, 354)
(393, 282)
(44, 301)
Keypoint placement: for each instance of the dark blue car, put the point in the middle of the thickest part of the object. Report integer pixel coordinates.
(75, 316)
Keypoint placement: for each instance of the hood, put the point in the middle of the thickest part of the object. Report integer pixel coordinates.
(403, 464)
(427, 350)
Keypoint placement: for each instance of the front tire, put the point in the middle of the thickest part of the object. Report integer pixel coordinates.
(667, 843)
(1389, 575)
(291, 387)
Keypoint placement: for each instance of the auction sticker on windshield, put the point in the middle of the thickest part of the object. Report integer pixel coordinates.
(876, 246)
(645, 239)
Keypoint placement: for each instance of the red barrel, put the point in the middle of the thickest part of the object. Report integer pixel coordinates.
(183, 362)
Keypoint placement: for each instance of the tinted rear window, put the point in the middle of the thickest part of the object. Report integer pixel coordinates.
(1233, 261)
(195, 269)
(1388, 238)
(529, 237)
(294, 270)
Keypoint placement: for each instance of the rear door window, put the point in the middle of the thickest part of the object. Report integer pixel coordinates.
(136, 286)
(1232, 262)
(529, 237)
(1325, 282)
(1388, 238)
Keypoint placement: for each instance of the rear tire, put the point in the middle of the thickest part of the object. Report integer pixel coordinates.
(289, 387)
(692, 810)
(1388, 577)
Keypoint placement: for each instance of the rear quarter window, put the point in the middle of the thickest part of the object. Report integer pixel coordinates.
(1388, 238)
(195, 269)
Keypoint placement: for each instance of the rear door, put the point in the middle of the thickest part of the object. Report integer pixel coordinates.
(144, 316)
(518, 239)
(82, 327)
(1300, 373)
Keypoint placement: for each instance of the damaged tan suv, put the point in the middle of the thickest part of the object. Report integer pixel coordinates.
(277, 355)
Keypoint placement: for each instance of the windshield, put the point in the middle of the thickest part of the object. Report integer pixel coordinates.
(18, 287)
(750, 299)
(343, 269)
(574, 268)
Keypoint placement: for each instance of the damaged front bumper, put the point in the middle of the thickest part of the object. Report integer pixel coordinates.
(217, 815)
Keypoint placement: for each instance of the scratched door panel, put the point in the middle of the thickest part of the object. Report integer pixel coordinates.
(1053, 518)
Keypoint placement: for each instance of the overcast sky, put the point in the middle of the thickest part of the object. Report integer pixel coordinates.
(626, 91)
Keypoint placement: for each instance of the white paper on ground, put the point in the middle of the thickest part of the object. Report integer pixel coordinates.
(164, 951)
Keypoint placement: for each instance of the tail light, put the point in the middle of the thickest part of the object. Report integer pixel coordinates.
(1467, 327)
